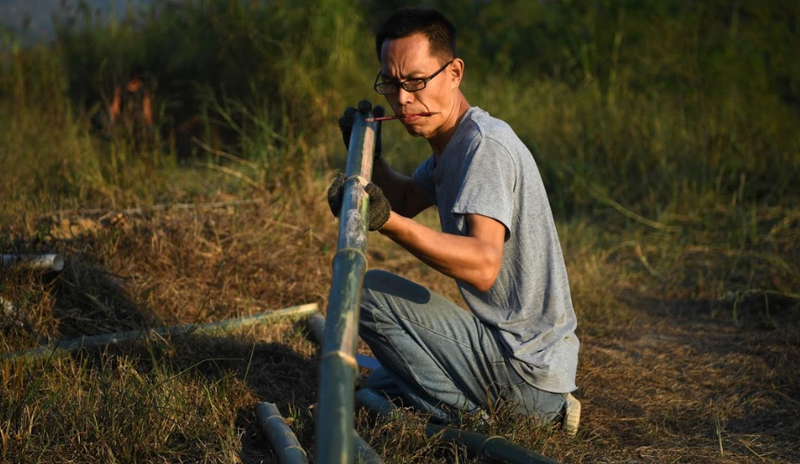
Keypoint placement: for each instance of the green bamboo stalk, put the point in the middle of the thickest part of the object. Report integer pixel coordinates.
(377, 405)
(46, 262)
(364, 453)
(68, 346)
(477, 444)
(280, 436)
(316, 325)
(338, 366)
(484, 446)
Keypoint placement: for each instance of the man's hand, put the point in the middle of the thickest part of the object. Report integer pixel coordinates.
(346, 122)
(379, 208)
(348, 118)
(335, 193)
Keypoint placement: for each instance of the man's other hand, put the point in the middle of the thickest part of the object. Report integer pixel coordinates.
(347, 120)
(379, 207)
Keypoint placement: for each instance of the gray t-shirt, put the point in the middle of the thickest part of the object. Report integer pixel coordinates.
(487, 170)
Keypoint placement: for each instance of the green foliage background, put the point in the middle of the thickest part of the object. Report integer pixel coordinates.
(673, 117)
(653, 101)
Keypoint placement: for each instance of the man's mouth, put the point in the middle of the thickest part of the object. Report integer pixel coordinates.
(405, 118)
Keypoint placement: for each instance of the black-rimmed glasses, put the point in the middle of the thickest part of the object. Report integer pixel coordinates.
(409, 85)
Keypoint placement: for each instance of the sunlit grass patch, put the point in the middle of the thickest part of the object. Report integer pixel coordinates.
(105, 409)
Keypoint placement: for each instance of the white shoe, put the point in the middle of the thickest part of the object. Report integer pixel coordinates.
(572, 416)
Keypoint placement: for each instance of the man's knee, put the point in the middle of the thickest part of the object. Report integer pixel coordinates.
(376, 278)
(385, 289)
(376, 284)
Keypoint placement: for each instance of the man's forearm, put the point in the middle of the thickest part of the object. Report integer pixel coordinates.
(466, 258)
(396, 187)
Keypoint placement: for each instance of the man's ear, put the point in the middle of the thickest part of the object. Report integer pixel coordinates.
(456, 72)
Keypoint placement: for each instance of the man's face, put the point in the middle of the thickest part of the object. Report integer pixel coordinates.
(407, 58)
(133, 84)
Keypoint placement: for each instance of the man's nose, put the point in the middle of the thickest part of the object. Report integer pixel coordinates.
(404, 97)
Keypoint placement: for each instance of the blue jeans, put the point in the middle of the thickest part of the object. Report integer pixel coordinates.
(439, 358)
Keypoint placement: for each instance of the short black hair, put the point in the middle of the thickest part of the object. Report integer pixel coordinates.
(138, 72)
(439, 31)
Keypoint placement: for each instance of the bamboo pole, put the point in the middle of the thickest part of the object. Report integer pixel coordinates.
(484, 446)
(316, 325)
(377, 405)
(477, 444)
(45, 262)
(68, 346)
(338, 366)
(364, 454)
(280, 436)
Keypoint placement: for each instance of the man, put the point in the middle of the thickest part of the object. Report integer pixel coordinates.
(131, 109)
(517, 347)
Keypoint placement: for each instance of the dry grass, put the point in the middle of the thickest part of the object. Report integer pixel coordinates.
(693, 391)
(667, 373)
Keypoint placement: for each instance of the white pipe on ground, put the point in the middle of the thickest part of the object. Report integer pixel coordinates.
(46, 262)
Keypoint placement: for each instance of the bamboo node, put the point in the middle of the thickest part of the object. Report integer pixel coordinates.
(349, 359)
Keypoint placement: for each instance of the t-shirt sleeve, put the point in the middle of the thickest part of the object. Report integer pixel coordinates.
(423, 176)
(488, 186)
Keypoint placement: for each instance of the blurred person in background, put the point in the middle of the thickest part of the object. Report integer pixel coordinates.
(131, 110)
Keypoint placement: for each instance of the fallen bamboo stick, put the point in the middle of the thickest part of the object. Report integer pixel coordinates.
(227, 325)
(484, 446)
(280, 436)
(364, 453)
(477, 444)
(316, 325)
(45, 262)
(104, 213)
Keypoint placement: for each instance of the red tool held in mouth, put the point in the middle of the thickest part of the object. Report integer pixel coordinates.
(389, 118)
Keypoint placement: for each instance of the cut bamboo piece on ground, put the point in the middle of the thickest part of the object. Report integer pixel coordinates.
(316, 327)
(477, 444)
(283, 440)
(484, 446)
(364, 453)
(227, 325)
(43, 262)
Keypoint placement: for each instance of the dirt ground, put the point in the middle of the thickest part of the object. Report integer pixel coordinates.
(665, 382)
(680, 383)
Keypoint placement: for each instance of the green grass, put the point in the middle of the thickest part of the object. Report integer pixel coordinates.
(115, 412)
(667, 137)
